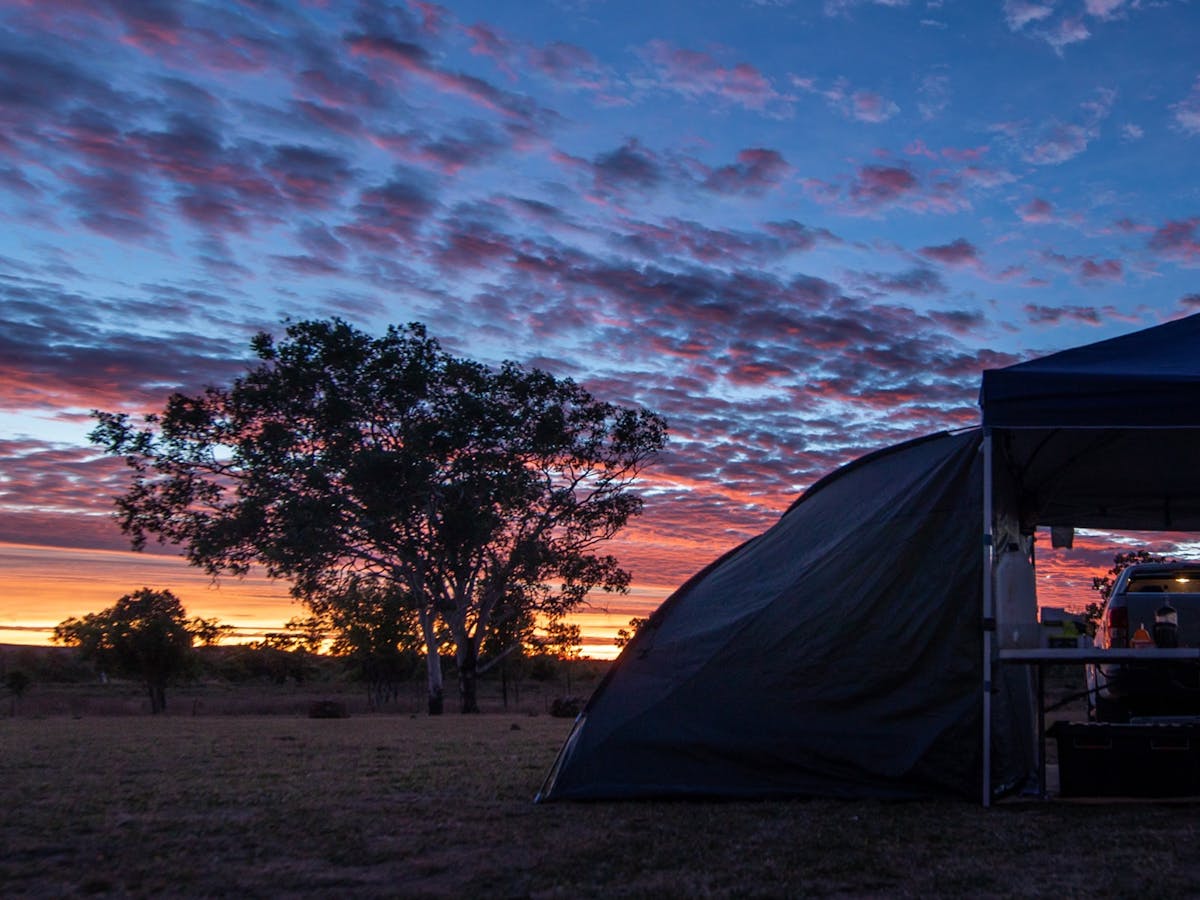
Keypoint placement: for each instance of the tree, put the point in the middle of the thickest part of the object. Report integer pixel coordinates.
(625, 635)
(1104, 584)
(209, 632)
(374, 625)
(144, 635)
(564, 641)
(17, 683)
(341, 456)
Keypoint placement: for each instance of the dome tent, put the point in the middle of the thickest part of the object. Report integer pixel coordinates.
(842, 652)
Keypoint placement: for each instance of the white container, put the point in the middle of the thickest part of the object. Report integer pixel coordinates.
(1015, 585)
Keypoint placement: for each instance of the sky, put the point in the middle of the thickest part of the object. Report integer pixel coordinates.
(799, 229)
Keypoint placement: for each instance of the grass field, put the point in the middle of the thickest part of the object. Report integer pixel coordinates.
(410, 806)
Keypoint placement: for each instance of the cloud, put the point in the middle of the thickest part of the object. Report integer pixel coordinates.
(1037, 211)
(388, 215)
(629, 167)
(918, 282)
(1104, 9)
(875, 187)
(563, 64)
(62, 352)
(1066, 32)
(1085, 269)
(473, 144)
(855, 103)
(843, 7)
(700, 77)
(395, 59)
(756, 171)
(1056, 141)
(1054, 315)
(1021, 13)
(1178, 240)
(775, 241)
(1187, 110)
(959, 253)
(1038, 19)
(934, 96)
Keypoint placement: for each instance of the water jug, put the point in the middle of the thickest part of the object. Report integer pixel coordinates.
(1166, 626)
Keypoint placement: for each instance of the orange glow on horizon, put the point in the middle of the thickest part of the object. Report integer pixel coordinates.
(41, 586)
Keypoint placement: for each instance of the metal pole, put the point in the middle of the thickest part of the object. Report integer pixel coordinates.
(989, 616)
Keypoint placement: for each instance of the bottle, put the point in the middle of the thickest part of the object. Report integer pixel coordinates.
(1141, 638)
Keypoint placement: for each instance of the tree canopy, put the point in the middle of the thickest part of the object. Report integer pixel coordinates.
(480, 494)
(144, 635)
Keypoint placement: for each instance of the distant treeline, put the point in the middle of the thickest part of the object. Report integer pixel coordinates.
(255, 663)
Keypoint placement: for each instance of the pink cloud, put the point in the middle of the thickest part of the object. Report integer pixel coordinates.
(1101, 270)
(756, 170)
(1086, 269)
(486, 41)
(867, 106)
(433, 17)
(859, 104)
(919, 148)
(876, 185)
(1037, 211)
(959, 253)
(965, 154)
(1177, 240)
(698, 75)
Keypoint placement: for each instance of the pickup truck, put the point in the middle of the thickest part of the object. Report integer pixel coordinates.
(1151, 604)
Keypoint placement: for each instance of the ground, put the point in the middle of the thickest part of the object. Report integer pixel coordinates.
(258, 803)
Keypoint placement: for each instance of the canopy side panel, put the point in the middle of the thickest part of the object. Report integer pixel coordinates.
(836, 654)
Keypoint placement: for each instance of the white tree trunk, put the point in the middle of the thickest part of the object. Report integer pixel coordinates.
(433, 665)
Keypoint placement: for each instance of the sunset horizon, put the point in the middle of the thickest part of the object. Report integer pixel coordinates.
(799, 231)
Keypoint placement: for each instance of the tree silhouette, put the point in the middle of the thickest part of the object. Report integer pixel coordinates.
(342, 456)
(144, 635)
(17, 683)
(625, 635)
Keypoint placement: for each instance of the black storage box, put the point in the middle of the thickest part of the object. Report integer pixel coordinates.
(1100, 759)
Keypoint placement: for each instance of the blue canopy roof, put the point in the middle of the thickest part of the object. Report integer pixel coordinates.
(1148, 379)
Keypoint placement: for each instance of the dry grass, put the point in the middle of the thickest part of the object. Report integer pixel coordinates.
(391, 805)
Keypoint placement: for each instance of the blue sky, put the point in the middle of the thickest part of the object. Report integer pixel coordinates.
(797, 229)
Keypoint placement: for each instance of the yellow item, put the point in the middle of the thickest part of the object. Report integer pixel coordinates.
(1141, 638)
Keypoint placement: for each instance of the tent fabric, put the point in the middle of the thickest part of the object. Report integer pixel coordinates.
(838, 653)
(1147, 379)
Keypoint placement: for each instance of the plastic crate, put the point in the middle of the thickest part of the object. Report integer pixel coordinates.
(1100, 759)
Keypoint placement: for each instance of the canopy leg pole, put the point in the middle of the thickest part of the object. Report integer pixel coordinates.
(988, 617)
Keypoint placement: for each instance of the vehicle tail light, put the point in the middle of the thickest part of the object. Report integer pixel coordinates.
(1118, 626)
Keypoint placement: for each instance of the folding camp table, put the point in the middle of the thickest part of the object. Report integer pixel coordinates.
(1081, 656)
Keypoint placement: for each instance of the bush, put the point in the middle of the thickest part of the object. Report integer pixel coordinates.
(328, 709)
(566, 707)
